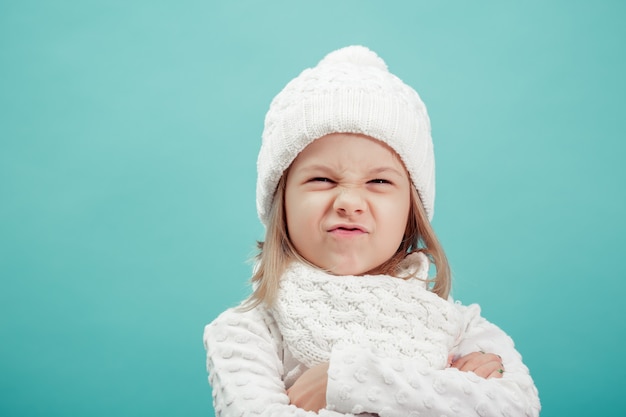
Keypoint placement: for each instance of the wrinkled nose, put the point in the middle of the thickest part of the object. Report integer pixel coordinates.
(349, 202)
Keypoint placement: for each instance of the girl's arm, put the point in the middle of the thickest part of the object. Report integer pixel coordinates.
(245, 367)
(360, 381)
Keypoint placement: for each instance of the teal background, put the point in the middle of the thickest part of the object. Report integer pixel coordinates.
(128, 140)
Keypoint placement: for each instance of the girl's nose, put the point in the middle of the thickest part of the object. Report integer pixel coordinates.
(349, 202)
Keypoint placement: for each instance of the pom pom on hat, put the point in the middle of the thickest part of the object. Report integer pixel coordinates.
(357, 55)
(349, 91)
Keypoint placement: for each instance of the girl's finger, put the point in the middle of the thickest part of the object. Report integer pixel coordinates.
(485, 365)
(487, 370)
(463, 361)
(498, 373)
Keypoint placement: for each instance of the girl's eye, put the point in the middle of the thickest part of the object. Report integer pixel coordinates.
(379, 181)
(321, 179)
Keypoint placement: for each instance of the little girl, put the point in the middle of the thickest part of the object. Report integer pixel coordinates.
(346, 316)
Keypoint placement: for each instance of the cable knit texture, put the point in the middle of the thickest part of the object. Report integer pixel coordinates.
(316, 311)
(254, 356)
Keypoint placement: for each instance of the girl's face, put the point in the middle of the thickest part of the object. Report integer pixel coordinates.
(347, 201)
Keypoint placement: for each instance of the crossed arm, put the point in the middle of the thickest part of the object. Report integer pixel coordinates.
(309, 390)
(246, 369)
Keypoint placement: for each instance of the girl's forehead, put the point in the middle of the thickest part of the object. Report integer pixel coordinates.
(349, 145)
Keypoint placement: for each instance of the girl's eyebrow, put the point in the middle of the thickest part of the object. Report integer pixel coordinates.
(315, 167)
(371, 172)
(384, 170)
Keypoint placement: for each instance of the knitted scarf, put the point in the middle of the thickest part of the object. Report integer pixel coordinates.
(391, 316)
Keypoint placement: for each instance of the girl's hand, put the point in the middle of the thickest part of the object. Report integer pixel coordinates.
(309, 391)
(486, 365)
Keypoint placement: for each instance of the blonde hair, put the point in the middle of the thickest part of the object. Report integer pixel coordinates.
(277, 251)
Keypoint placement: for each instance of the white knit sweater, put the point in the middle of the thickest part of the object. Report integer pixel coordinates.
(386, 339)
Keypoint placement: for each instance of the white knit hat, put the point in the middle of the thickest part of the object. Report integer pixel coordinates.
(349, 91)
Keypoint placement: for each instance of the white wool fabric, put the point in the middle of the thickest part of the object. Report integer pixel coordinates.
(349, 91)
(251, 366)
(394, 317)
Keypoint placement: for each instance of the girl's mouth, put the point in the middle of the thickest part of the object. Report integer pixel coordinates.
(347, 230)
